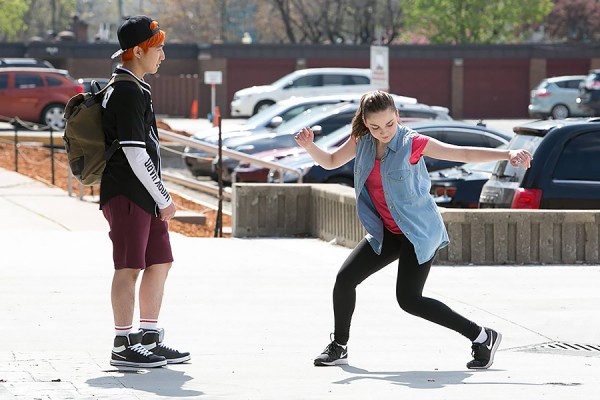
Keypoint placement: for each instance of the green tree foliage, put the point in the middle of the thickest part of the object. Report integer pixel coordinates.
(11, 19)
(473, 21)
(22, 19)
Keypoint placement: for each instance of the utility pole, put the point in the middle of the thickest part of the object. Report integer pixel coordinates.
(120, 13)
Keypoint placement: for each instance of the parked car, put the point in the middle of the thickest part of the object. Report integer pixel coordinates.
(460, 186)
(557, 98)
(271, 117)
(250, 173)
(564, 173)
(589, 93)
(24, 62)
(246, 172)
(452, 132)
(323, 123)
(200, 163)
(87, 83)
(36, 94)
(301, 83)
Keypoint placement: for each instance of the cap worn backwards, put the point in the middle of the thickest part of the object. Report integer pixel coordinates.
(133, 31)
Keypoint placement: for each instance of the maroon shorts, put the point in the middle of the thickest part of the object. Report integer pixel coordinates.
(139, 238)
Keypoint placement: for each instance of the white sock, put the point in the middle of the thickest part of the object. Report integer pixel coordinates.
(148, 324)
(482, 336)
(123, 330)
(343, 346)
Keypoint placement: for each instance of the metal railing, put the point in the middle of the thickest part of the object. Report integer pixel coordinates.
(213, 149)
(165, 135)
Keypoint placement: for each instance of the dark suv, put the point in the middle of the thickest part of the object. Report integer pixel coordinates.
(564, 174)
(589, 93)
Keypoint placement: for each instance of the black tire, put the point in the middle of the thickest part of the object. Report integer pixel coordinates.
(262, 104)
(341, 180)
(52, 116)
(560, 111)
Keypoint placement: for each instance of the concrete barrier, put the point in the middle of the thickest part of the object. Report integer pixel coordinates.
(490, 237)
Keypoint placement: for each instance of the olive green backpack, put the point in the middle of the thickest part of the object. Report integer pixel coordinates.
(84, 137)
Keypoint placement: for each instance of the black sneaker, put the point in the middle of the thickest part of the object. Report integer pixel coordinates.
(334, 354)
(153, 341)
(129, 352)
(483, 353)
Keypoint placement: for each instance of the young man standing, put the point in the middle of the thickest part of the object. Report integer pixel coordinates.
(135, 201)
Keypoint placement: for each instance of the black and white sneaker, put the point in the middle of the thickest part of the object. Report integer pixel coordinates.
(483, 353)
(334, 354)
(153, 341)
(129, 352)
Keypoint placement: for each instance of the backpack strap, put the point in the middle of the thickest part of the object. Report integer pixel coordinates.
(115, 145)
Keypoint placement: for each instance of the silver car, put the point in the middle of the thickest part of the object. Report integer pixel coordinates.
(557, 98)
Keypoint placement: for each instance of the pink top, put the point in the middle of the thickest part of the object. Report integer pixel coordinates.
(375, 187)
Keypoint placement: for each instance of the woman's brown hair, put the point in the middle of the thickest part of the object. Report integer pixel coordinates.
(153, 41)
(370, 102)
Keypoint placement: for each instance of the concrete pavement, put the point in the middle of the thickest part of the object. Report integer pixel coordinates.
(255, 312)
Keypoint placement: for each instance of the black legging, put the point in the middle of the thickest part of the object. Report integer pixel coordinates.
(363, 262)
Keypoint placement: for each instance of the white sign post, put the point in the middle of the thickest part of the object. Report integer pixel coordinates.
(213, 78)
(380, 68)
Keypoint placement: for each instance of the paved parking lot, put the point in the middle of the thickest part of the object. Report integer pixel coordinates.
(255, 312)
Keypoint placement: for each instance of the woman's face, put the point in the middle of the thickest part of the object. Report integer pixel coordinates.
(382, 124)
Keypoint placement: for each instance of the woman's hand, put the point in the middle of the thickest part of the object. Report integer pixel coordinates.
(305, 137)
(520, 156)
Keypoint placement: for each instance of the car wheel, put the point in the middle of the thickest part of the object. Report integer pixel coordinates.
(560, 111)
(53, 116)
(261, 105)
(341, 180)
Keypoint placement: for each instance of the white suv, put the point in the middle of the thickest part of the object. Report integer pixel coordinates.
(302, 83)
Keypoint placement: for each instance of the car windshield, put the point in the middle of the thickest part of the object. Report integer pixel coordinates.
(266, 115)
(504, 169)
(335, 137)
(307, 119)
(284, 80)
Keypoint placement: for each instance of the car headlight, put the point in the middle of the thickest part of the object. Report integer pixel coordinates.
(247, 148)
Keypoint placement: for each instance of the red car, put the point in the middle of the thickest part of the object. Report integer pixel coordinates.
(36, 94)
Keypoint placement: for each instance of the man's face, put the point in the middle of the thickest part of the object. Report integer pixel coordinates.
(152, 58)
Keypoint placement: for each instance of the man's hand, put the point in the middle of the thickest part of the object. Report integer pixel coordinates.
(168, 212)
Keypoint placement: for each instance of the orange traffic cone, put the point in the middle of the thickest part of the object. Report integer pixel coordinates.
(216, 116)
(194, 110)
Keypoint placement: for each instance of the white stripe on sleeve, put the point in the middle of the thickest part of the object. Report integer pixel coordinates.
(144, 170)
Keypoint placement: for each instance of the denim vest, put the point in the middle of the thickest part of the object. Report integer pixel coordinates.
(406, 188)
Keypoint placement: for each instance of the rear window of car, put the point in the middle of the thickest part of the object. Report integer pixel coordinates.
(504, 169)
(568, 84)
(417, 114)
(28, 81)
(3, 81)
(307, 81)
(53, 81)
(357, 80)
(579, 159)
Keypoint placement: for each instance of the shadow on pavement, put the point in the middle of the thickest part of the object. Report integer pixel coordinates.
(160, 381)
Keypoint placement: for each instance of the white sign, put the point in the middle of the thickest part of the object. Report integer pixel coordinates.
(380, 68)
(213, 77)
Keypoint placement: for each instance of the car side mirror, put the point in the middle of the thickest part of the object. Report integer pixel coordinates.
(288, 85)
(275, 122)
(317, 130)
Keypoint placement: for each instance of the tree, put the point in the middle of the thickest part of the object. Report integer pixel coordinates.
(473, 21)
(339, 21)
(574, 21)
(11, 19)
